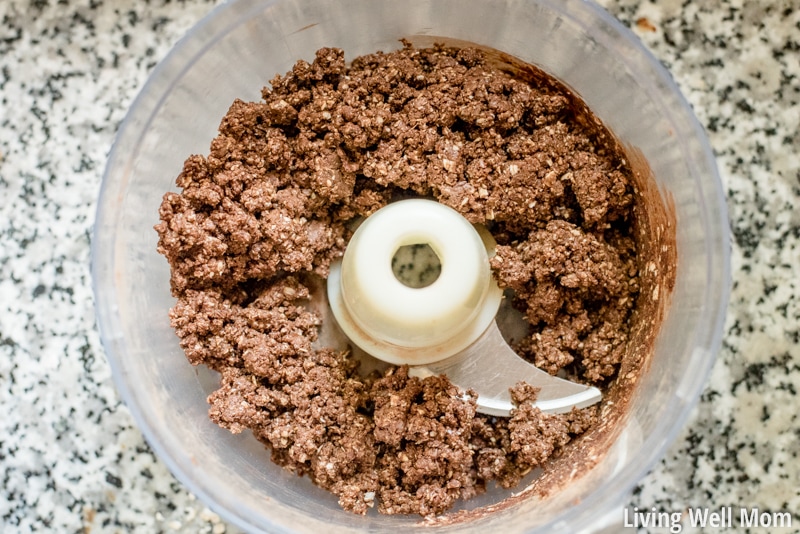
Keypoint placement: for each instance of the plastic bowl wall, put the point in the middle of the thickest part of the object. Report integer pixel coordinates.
(233, 53)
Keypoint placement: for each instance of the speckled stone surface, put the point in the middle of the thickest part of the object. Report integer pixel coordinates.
(71, 459)
(738, 63)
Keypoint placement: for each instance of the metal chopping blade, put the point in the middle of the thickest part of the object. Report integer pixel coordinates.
(489, 367)
(447, 327)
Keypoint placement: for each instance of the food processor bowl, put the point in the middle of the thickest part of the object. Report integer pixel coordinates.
(233, 53)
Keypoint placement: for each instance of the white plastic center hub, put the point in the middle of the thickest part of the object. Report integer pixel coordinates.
(406, 325)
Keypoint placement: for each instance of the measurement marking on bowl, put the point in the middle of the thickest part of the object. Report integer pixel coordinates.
(304, 28)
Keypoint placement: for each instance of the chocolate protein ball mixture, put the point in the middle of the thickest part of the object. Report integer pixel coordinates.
(259, 220)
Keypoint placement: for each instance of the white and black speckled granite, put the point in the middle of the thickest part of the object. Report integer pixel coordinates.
(71, 459)
(738, 63)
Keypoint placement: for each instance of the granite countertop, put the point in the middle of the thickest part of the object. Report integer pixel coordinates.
(71, 459)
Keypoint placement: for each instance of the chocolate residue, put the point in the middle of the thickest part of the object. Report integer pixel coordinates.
(654, 224)
(259, 220)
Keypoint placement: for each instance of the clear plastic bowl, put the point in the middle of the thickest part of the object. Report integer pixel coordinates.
(231, 54)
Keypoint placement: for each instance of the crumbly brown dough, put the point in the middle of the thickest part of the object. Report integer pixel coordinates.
(271, 205)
